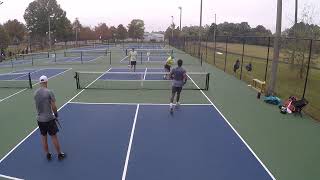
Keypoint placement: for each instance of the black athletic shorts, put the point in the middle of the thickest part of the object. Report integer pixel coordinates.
(133, 63)
(176, 89)
(50, 128)
(167, 67)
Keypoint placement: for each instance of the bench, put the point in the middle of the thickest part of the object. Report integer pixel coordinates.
(258, 85)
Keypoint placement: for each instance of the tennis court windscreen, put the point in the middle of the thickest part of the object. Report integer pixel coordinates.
(15, 80)
(137, 80)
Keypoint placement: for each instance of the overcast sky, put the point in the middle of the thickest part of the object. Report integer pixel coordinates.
(157, 13)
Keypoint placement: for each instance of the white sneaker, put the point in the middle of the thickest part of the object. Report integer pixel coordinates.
(171, 107)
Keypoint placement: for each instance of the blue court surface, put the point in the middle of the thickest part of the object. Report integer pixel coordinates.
(138, 142)
(35, 74)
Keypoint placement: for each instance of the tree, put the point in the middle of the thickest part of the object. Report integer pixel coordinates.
(136, 29)
(16, 30)
(37, 17)
(4, 38)
(103, 31)
(87, 34)
(122, 32)
(113, 31)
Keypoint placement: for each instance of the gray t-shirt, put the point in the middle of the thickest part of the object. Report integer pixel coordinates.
(178, 74)
(43, 98)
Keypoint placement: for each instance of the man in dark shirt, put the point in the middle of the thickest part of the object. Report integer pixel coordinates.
(179, 79)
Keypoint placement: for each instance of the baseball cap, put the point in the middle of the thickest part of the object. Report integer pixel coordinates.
(43, 79)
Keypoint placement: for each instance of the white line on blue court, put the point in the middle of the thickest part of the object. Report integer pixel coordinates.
(14, 148)
(10, 177)
(262, 164)
(124, 174)
(8, 97)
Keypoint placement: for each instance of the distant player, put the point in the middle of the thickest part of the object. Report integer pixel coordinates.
(167, 66)
(133, 59)
(179, 79)
(47, 115)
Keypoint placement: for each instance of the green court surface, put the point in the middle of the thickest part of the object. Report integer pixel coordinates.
(287, 145)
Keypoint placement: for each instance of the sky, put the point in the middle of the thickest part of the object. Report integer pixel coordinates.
(157, 13)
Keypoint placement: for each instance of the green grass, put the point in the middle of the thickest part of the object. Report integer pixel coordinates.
(287, 145)
(288, 81)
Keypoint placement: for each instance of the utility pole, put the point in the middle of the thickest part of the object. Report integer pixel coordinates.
(172, 27)
(180, 17)
(200, 28)
(275, 61)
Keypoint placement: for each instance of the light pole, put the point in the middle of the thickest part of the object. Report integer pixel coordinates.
(275, 61)
(200, 28)
(50, 31)
(172, 27)
(180, 17)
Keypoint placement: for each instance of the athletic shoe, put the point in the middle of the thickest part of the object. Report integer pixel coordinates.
(171, 107)
(61, 156)
(49, 156)
(178, 104)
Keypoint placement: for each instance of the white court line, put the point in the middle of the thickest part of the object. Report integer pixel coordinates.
(9, 177)
(124, 59)
(1, 100)
(143, 104)
(263, 165)
(2, 159)
(124, 174)
(145, 74)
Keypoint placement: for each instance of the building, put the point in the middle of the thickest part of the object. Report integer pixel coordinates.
(154, 37)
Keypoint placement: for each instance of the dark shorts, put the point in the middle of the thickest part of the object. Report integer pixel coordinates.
(167, 67)
(50, 128)
(176, 89)
(133, 63)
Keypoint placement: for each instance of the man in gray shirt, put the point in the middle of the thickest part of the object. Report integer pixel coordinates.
(179, 79)
(47, 115)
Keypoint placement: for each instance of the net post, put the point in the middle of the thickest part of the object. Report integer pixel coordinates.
(110, 58)
(207, 81)
(64, 53)
(201, 59)
(49, 54)
(126, 52)
(77, 80)
(81, 55)
(141, 57)
(30, 82)
(55, 56)
(11, 63)
(32, 60)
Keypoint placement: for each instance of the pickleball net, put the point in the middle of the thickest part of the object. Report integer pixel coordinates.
(137, 81)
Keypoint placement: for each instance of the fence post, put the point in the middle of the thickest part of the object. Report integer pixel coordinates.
(266, 72)
(242, 57)
(308, 68)
(214, 50)
(207, 48)
(225, 57)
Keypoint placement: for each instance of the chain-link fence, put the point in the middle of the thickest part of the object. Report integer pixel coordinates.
(250, 58)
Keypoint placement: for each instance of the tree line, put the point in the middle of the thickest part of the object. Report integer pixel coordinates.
(41, 13)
